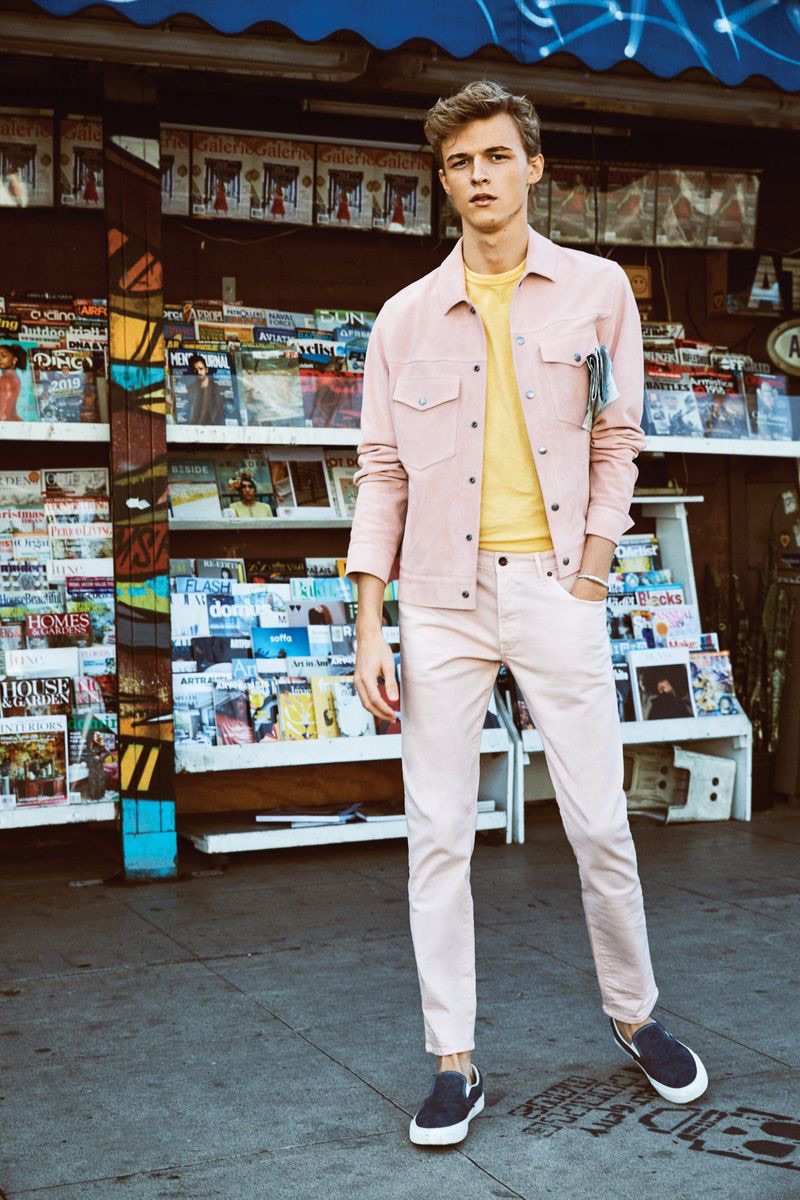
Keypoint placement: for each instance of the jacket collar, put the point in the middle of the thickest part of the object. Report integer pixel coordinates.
(451, 288)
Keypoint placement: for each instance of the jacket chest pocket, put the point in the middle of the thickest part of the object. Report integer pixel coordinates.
(566, 372)
(425, 412)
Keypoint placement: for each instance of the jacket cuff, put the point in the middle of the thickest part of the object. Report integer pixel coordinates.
(369, 560)
(607, 523)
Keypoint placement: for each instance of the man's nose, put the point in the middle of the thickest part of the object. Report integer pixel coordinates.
(480, 172)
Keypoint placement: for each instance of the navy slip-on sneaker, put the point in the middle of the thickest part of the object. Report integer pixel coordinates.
(448, 1109)
(674, 1070)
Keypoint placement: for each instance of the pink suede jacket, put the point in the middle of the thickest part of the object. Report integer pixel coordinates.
(421, 453)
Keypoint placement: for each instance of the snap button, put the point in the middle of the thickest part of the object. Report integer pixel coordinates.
(549, 572)
(465, 595)
(472, 479)
(423, 400)
(577, 357)
(555, 507)
(474, 424)
(472, 309)
(476, 367)
(520, 341)
(502, 562)
(543, 449)
(469, 537)
(529, 395)
(565, 561)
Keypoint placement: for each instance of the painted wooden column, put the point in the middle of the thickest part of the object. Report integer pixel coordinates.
(139, 470)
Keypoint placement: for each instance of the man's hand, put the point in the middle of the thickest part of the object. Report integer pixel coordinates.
(584, 589)
(375, 660)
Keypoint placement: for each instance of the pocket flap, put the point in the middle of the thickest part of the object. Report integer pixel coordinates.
(570, 348)
(427, 391)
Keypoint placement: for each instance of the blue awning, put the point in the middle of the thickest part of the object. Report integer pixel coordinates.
(731, 39)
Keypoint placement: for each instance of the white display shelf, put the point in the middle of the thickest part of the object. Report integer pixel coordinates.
(262, 435)
(217, 836)
(57, 814)
(53, 431)
(194, 759)
(648, 733)
(753, 447)
(269, 523)
(665, 498)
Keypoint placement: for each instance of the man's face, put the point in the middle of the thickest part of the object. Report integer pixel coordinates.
(487, 172)
(199, 368)
(664, 687)
(247, 491)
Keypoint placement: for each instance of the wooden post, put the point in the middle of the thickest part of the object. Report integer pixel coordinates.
(139, 471)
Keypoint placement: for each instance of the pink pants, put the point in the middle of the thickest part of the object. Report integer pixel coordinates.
(557, 648)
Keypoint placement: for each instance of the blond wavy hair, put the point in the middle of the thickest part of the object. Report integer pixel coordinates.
(474, 102)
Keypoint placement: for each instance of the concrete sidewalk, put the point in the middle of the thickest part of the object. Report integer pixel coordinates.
(256, 1033)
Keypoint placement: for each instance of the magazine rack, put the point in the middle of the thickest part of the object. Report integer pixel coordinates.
(727, 737)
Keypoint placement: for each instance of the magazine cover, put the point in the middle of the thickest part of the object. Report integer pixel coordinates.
(722, 407)
(33, 761)
(279, 642)
(93, 757)
(176, 152)
(245, 488)
(17, 390)
(216, 654)
(296, 714)
(232, 713)
(315, 612)
(201, 386)
(349, 187)
(628, 206)
(573, 210)
(227, 569)
(193, 494)
(406, 178)
(332, 394)
(81, 163)
(264, 716)
(65, 384)
(280, 179)
(449, 220)
(188, 614)
(268, 384)
(324, 706)
(661, 626)
(712, 684)
(768, 406)
(351, 716)
(22, 490)
(301, 484)
(538, 206)
(342, 466)
(26, 161)
(57, 629)
(45, 696)
(92, 540)
(83, 482)
(732, 204)
(670, 405)
(622, 686)
(681, 208)
(661, 684)
(220, 164)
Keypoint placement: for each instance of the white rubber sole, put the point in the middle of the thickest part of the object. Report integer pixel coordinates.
(684, 1095)
(450, 1135)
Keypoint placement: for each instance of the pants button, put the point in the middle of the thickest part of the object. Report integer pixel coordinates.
(502, 562)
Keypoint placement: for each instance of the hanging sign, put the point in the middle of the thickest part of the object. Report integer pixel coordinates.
(783, 346)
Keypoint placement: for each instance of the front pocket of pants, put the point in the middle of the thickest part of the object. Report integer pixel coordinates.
(599, 604)
(425, 414)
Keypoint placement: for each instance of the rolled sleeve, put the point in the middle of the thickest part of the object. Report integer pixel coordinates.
(617, 436)
(382, 482)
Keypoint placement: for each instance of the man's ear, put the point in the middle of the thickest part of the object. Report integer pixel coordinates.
(443, 181)
(535, 168)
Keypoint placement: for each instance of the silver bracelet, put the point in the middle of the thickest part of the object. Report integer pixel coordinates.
(595, 579)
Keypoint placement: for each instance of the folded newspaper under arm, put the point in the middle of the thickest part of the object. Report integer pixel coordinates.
(602, 388)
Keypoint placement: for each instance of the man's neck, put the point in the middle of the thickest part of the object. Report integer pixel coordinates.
(494, 253)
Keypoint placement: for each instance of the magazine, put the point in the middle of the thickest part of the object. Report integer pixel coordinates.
(722, 408)
(33, 761)
(301, 483)
(268, 384)
(349, 187)
(341, 467)
(661, 684)
(281, 181)
(221, 163)
(279, 642)
(351, 716)
(245, 487)
(42, 661)
(227, 569)
(93, 757)
(405, 179)
(573, 211)
(44, 696)
(176, 147)
(193, 708)
(712, 684)
(232, 713)
(201, 386)
(81, 173)
(75, 484)
(732, 204)
(332, 394)
(26, 161)
(264, 716)
(628, 206)
(58, 629)
(65, 383)
(217, 653)
(193, 494)
(768, 406)
(21, 490)
(670, 405)
(296, 709)
(662, 626)
(538, 209)
(681, 208)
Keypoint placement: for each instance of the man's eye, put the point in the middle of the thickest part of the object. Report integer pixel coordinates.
(460, 163)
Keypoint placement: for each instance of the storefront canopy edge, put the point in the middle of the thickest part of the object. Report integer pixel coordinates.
(731, 39)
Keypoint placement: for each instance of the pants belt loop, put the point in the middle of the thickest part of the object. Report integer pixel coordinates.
(539, 567)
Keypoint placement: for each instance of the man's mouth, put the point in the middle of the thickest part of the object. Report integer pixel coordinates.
(481, 199)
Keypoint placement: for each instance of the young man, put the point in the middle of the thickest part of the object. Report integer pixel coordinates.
(479, 456)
